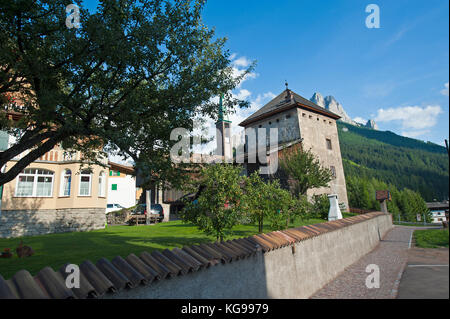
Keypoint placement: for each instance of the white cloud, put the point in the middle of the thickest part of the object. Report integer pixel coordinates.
(239, 66)
(241, 62)
(243, 94)
(360, 120)
(411, 117)
(445, 91)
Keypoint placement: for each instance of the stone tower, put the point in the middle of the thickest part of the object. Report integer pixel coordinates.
(223, 134)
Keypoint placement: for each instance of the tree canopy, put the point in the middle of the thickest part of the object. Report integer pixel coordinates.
(131, 73)
(305, 170)
(219, 206)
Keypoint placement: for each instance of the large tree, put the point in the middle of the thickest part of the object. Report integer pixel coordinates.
(132, 72)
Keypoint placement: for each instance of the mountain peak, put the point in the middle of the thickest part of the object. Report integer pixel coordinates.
(331, 105)
(318, 99)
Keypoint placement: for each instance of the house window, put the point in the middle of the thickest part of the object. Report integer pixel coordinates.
(329, 146)
(288, 116)
(85, 183)
(33, 182)
(114, 173)
(333, 171)
(101, 184)
(114, 187)
(66, 182)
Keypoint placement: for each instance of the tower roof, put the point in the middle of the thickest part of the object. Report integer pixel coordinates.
(222, 112)
(285, 101)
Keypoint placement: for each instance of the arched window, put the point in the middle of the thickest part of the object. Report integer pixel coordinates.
(66, 182)
(85, 183)
(101, 184)
(34, 182)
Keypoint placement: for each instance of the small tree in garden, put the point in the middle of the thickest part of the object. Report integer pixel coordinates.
(266, 200)
(320, 206)
(304, 169)
(284, 204)
(218, 207)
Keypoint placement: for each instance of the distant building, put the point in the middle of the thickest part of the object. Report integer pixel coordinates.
(439, 211)
(122, 185)
(301, 123)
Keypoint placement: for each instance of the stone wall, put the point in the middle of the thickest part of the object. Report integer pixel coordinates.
(287, 272)
(17, 223)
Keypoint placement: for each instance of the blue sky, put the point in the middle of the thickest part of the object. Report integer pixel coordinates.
(396, 74)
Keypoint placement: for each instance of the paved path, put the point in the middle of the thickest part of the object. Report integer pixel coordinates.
(390, 255)
(426, 275)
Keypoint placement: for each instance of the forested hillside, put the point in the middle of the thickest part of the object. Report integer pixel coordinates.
(393, 159)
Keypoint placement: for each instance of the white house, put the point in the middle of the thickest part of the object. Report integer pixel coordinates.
(121, 185)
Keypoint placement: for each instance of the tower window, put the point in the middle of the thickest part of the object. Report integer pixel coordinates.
(329, 146)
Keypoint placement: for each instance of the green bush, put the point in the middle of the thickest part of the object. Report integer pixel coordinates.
(320, 206)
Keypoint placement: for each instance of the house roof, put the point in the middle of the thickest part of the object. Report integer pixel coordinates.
(285, 101)
(110, 277)
(438, 205)
(121, 168)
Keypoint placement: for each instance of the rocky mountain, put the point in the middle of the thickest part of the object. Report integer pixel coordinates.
(332, 105)
(372, 125)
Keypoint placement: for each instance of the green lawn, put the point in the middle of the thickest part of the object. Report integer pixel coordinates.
(431, 238)
(55, 250)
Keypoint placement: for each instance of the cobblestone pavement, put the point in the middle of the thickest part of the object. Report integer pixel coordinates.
(390, 255)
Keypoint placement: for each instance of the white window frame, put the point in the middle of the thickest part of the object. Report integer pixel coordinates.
(102, 185)
(90, 184)
(36, 175)
(61, 189)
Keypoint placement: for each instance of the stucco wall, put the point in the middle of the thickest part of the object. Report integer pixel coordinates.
(57, 201)
(17, 223)
(281, 273)
(125, 194)
(314, 130)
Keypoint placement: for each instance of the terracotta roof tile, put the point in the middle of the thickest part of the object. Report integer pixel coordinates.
(187, 259)
(134, 277)
(205, 263)
(119, 280)
(5, 291)
(86, 290)
(54, 284)
(158, 267)
(97, 279)
(27, 287)
(147, 272)
(212, 258)
(174, 269)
